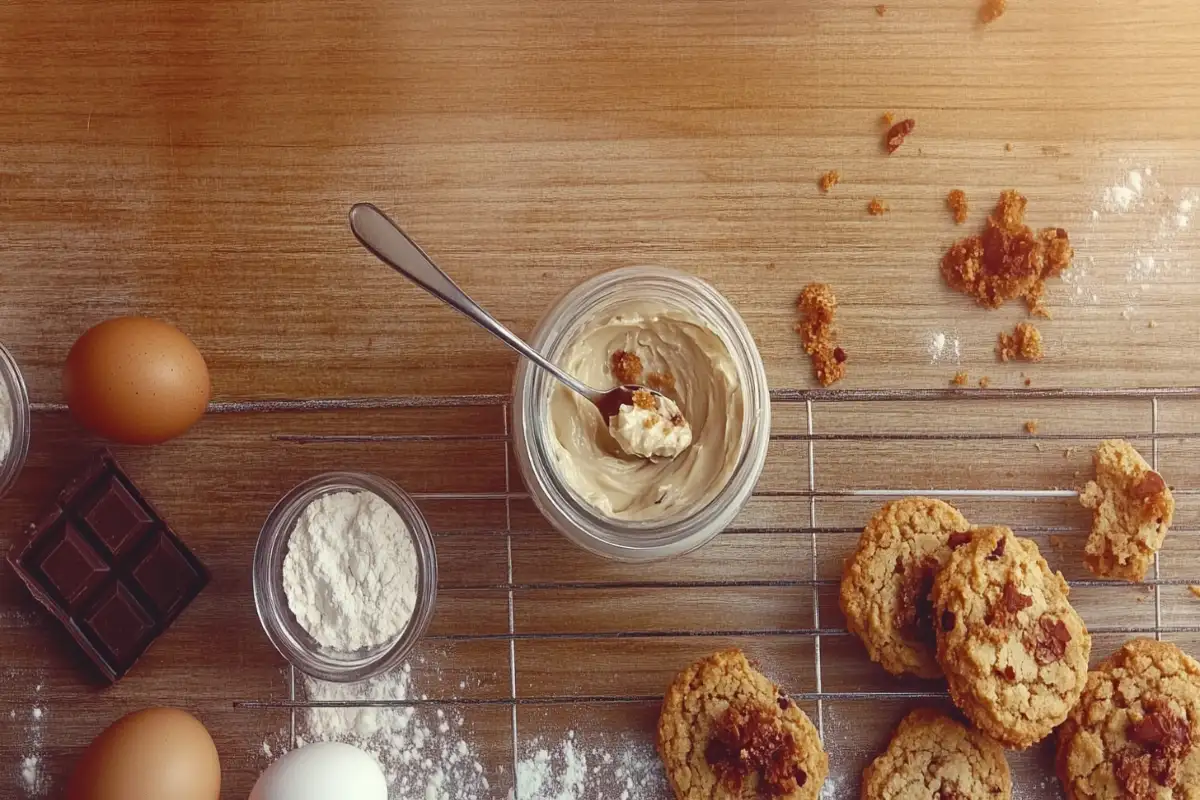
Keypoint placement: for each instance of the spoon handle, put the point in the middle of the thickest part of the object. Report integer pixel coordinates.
(393, 247)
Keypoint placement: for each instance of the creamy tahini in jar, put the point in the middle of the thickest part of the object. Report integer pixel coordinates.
(666, 463)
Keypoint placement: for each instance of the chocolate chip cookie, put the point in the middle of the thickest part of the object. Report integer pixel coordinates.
(727, 733)
(934, 756)
(1135, 734)
(1014, 651)
(886, 583)
(1131, 512)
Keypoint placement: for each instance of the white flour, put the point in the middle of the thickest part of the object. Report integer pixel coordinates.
(943, 347)
(569, 770)
(422, 751)
(31, 776)
(351, 571)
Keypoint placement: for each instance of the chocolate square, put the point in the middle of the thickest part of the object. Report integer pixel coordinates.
(107, 565)
(165, 574)
(72, 567)
(119, 623)
(116, 517)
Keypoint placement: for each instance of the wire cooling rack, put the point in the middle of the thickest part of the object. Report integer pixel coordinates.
(835, 457)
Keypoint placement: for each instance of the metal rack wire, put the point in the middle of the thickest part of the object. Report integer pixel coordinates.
(811, 403)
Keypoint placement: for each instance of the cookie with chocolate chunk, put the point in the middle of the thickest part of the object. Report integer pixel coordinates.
(1135, 734)
(1014, 651)
(886, 583)
(727, 733)
(1131, 512)
(934, 756)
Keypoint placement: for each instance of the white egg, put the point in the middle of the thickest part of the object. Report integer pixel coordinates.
(321, 771)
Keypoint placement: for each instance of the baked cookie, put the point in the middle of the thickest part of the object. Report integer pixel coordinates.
(932, 756)
(727, 733)
(886, 583)
(1131, 512)
(1014, 651)
(1135, 734)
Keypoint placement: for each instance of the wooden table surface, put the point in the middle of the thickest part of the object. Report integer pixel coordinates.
(195, 161)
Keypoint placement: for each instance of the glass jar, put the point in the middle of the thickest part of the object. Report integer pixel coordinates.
(597, 299)
(13, 461)
(285, 632)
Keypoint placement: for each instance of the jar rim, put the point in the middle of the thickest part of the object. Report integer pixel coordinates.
(18, 395)
(632, 540)
(287, 635)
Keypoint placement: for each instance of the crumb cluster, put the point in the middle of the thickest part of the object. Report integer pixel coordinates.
(626, 367)
(1008, 260)
(663, 382)
(956, 201)
(1024, 343)
(1031, 427)
(877, 208)
(829, 180)
(817, 305)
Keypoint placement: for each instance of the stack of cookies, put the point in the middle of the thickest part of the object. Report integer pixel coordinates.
(931, 595)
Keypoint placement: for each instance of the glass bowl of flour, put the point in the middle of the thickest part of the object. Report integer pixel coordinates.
(345, 576)
(14, 421)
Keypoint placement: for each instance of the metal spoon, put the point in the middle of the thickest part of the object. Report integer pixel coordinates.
(392, 246)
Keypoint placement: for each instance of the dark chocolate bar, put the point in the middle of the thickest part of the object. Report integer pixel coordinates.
(108, 566)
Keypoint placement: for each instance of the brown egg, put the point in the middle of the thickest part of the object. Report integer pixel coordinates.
(155, 754)
(136, 380)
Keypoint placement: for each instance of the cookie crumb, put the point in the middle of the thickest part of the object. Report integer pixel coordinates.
(829, 180)
(626, 367)
(992, 10)
(1151, 324)
(644, 400)
(898, 133)
(956, 201)
(1031, 427)
(877, 207)
(985, 382)
(817, 305)
(662, 382)
(888, 119)
(1008, 260)
(881, 9)
(1194, 589)
(1008, 147)
(1025, 343)
(1029, 381)
(959, 379)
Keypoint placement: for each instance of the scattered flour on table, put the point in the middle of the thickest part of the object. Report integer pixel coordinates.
(570, 770)
(423, 752)
(350, 575)
(30, 771)
(1149, 217)
(943, 347)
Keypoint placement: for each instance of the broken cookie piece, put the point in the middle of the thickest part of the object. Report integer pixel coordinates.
(1008, 260)
(1131, 508)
